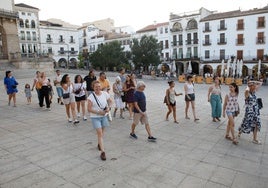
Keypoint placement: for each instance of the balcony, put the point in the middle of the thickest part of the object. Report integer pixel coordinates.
(222, 41)
(222, 27)
(176, 30)
(84, 44)
(260, 40)
(61, 52)
(72, 41)
(240, 41)
(73, 52)
(206, 43)
(49, 40)
(195, 41)
(188, 42)
(61, 40)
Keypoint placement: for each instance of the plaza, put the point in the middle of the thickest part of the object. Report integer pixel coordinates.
(39, 148)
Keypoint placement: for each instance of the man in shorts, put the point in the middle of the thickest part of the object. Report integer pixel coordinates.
(140, 114)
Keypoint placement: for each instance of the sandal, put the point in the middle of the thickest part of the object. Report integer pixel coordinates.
(176, 122)
(256, 142)
(228, 137)
(196, 119)
(235, 142)
(187, 117)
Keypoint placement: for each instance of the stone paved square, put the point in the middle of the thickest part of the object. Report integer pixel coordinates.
(39, 148)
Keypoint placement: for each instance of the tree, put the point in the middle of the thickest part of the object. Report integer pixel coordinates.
(109, 55)
(145, 52)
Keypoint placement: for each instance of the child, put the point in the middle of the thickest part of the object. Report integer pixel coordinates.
(28, 93)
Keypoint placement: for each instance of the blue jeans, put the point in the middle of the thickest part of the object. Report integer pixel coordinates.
(59, 91)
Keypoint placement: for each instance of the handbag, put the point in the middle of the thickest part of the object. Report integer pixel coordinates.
(259, 102)
(78, 91)
(66, 95)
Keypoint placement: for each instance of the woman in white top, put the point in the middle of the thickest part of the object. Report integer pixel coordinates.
(118, 93)
(214, 97)
(231, 109)
(68, 98)
(171, 101)
(80, 95)
(99, 103)
(189, 97)
(44, 91)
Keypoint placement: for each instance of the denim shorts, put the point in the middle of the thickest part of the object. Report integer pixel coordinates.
(59, 91)
(229, 113)
(100, 122)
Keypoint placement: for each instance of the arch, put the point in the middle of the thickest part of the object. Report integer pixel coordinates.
(207, 69)
(62, 62)
(192, 24)
(72, 63)
(179, 68)
(218, 71)
(21, 22)
(195, 67)
(32, 24)
(27, 23)
(263, 71)
(176, 27)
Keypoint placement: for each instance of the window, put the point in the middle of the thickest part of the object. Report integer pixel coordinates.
(49, 38)
(61, 38)
(32, 24)
(21, 23)
(260, 53)
(166, 44)
(22, 35)
(180, 53)
(207, 40)
(222, 25)
(188, 41)
(28, 35)
(240, 24)
(222, 54)
(23, 48)
(161, 44)
(161, 30)
(174, 40)
(261, 22)
(29, 14)
(222, 39)
(189, 52)
(239, 54)
(166, 30)
(260, 38)
(34, 48)
(30, 50)
(207, 28)
(27, 23)
(195, 38)
(49, 50)
(240, 39)
(195, 52)
(34, 36)
(207, 55)
(177, 27)
(180, 40)
(61, 50)
(23, 13)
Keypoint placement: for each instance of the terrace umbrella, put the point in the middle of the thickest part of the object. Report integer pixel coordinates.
(228, 67)
(222, 67)
(234, 68)
(173, 66)
(259, 69)
(189, 70)
(240, 67)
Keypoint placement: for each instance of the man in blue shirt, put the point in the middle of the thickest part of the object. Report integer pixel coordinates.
(140, 112)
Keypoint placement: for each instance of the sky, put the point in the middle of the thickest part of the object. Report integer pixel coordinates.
(136, 13)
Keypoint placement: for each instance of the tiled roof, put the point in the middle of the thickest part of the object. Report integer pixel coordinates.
(25, 6)
(235, 13)
(47, 23)
(152, 27)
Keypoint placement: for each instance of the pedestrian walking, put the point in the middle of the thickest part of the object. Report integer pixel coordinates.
(89, 79)
(37, 85)
(28, 93)
(57, 81)
(251, 121)
(118, 93)
(99, 105)
(129, 88)
(231, 109)
(215, 99)
(140, 114)
(11, 87)
(80, 96)
(171, 101)
(44, 91)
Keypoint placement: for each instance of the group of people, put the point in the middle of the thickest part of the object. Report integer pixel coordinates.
(128, 94)
(228, 107)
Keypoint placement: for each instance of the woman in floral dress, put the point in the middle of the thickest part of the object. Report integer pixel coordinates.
(252, 120)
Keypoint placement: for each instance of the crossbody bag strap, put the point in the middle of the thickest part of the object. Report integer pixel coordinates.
(97, 101)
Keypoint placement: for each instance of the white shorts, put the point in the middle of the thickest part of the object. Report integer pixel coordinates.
(118, 103)
(69, 100)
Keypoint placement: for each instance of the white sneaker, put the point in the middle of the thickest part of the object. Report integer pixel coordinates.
(75, 121)
(78, 115)
(85, 118)
(70, 120)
